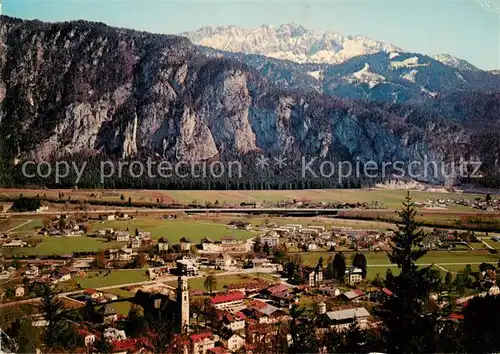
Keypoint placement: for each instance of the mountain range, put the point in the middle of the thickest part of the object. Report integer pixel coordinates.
(296, 43)
(345, 66)
(85, 90)
(288, 42)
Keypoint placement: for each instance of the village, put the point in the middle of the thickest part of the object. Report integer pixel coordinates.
(242, 289)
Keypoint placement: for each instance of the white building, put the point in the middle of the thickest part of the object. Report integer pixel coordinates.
(136, 242)
(88, 338)
(162, 246)
(15, 244)
(122, 236)
(185, 244)
(111, 334)
(494, 290)
(312, 247)
(343, 319)
(315, 278)
(20, 291)
(353, 275)
(233, 341)
(202, 342)
(330, 244)
(233, 322)
(186, 267)
(32, 272)
(122, 254)
(145, 234)
(271, 240)
(224, 260)
(227, 301)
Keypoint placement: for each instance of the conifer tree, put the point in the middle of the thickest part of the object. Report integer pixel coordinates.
(408, 327)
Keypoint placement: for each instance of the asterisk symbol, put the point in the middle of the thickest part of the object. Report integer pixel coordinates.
(280, 161)
(262, 162)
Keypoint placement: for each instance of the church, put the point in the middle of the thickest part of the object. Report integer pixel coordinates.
(174, 307)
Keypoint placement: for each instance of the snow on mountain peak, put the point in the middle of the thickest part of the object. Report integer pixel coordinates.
(366, 76)
(288, 41)
(455, 62)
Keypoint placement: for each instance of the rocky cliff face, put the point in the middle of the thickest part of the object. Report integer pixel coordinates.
(84, 87)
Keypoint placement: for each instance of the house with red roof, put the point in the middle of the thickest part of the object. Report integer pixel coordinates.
(353, 294)
(456, 317)
(88, 337)
(92, 293)
(256, 304)
(218, 350)
(266, 293)
(128, 346)
(229, 300)
(284, 299)
(234, 322)
(201, 343)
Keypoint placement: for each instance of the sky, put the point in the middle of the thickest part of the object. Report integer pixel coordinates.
(468, 29)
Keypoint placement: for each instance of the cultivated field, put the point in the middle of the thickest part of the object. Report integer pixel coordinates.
(390, 198)
(52, 246)
(115, 277)
(198, 283)
(174, 230)
(20, 227)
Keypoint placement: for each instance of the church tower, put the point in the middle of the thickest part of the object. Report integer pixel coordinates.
(183, 302)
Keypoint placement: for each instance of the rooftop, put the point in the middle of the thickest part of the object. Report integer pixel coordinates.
(347, 314)
(200, 336)
(277, 288)
(352, 294)
(234, 296)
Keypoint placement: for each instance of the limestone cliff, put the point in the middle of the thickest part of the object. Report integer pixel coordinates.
(81, 87)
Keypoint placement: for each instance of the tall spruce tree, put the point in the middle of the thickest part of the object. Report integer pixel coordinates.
(408, 327)
(339, 266)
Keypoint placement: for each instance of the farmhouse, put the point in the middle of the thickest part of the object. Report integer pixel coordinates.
(185, 244)
(232, 341)
(202, 342)
(224, 260)
(20, 291)
(122, 254)
(108, 314)
(122, 236)
(162, 244)
(92, 293)
(233, 322)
